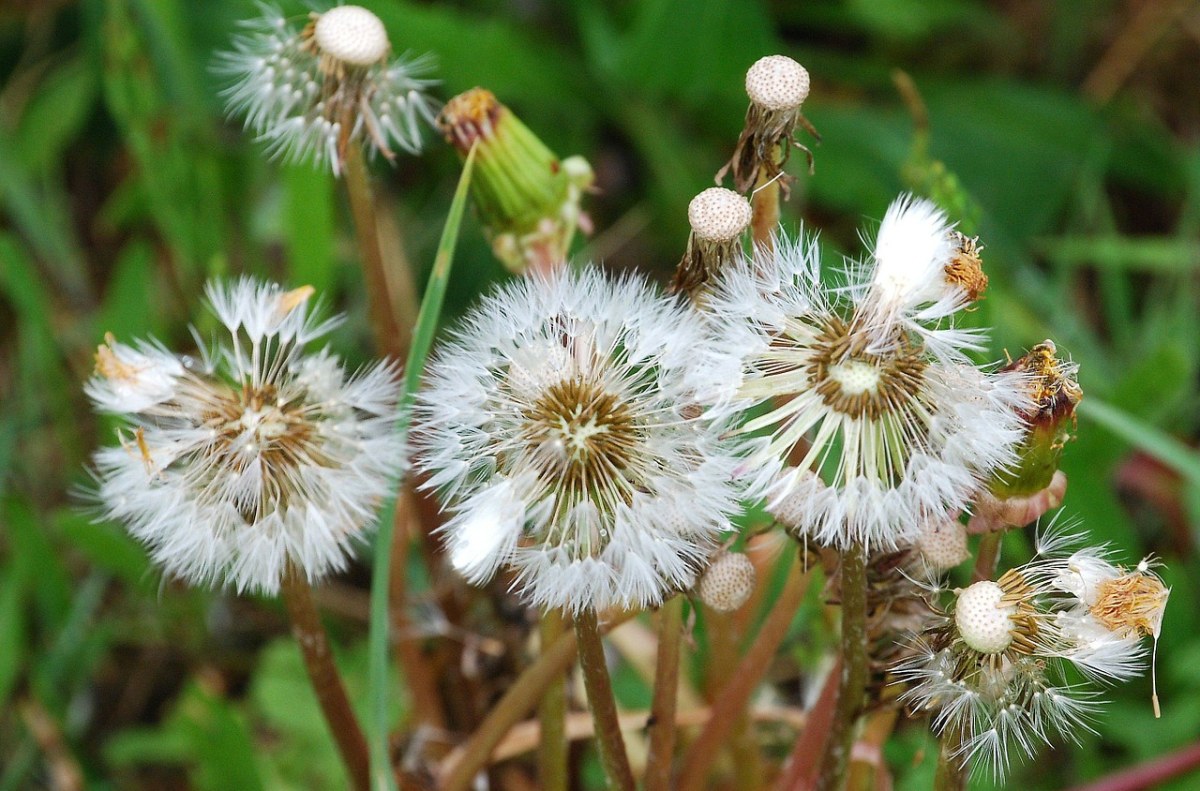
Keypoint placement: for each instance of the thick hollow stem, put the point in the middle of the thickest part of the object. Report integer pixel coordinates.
(854, 670)
(600, 698)
(666, 686)
(388, 333)
(732, 700)
(766, 213)
(327, 682)
(552, 713)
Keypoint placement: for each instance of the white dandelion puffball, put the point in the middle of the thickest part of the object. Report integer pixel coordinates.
(719, 215)
(777, 82)
(561, 425)
(254, 457)
(352, 34)
(870, 429)
(309, 93)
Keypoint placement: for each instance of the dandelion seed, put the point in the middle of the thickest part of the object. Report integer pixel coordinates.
(562, 426)
(728, 582)
(312, 93)
(256, 456)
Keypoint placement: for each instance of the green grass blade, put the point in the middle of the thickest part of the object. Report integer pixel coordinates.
(1143, 436)
(427, 322)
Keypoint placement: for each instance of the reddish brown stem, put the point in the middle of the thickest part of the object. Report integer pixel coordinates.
(666, 687)
(326, 681)
(1149, 774)
(800, 771)
(600, 699)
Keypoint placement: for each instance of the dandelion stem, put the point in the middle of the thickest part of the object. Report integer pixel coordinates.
(462, 765)
(552, 712)
(765, 202)
(600, 698)
(666, 687)
(836, 760)
(989, 555)
(949, 775)
(733, 698)
(388, 333)
(323, 673)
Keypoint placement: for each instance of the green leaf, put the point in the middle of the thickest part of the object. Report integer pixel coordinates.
(108, 547)
(1121, 253)
(1146, 437)
(56, 112)
(12, 629)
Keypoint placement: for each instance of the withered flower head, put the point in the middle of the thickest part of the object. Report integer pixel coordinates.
(529, 199)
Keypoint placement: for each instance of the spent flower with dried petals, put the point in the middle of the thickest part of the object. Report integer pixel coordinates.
(313, 92)
(253, 457)
(563, 427)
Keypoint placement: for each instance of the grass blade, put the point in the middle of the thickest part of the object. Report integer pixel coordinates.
(427, 322)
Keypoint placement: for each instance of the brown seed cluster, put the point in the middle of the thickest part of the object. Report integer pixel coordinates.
(1054, 388)
(901, 374)
(583, 437)
(472, 115)
(1132, 601)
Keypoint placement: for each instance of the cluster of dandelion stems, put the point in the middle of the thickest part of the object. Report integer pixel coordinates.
(579, 447)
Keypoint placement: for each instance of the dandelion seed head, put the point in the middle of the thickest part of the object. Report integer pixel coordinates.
(942, 542)
(984, 621)
(260, 458)
(728, 582)
(777, 82)
(718, 214)
(563, 429)
(352, 34)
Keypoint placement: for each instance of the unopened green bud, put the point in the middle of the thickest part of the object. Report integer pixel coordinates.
(528, 199)
(1054, 395)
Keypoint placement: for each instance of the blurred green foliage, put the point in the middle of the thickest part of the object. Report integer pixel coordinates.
(122, 189)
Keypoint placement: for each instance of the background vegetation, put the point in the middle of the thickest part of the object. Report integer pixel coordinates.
(1067, 135)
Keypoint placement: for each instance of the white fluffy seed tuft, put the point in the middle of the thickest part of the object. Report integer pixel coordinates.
(983, 622)
(777, 82)
(943, 543)
(353, 35)
(719, 214)
(728, 583)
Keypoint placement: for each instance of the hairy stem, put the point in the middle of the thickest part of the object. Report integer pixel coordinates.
(854, 669)
(327, 682)
(552, 712)
(600, 698)
(732, 700)
(389, 336)
(666, 686)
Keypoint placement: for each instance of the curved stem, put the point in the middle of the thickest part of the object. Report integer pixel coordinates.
(327, 682)
(666, 686)
(600, 698)
(988, 557)
(552, 712)
(854, 669)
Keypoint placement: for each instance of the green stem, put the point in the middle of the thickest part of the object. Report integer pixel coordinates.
(600, 698)
(950, 775)
(326, 681)
(836, 760)
(552, 713)
(666, 688)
